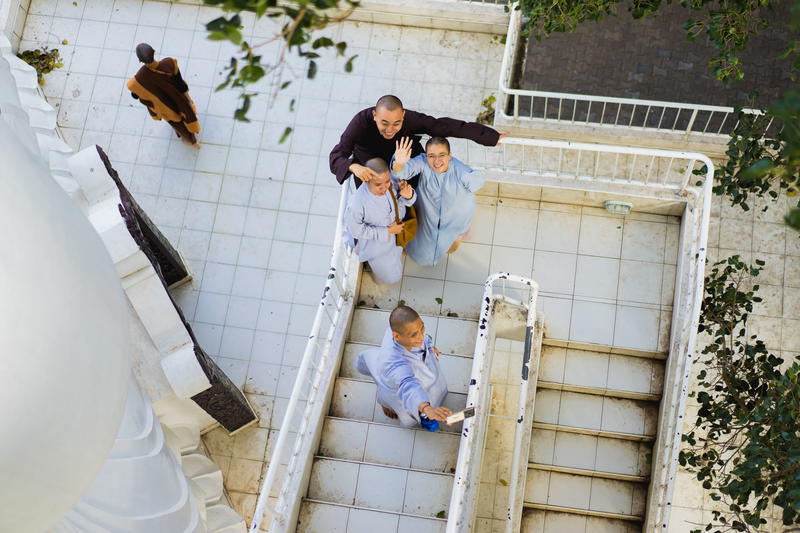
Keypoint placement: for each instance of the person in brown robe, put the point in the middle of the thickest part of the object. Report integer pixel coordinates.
(160, 87)
(373, 132)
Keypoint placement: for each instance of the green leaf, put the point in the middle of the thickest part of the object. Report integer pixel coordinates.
(441, 514)
(757, 169)
(312, 69)
(348, 67)
(438, 300)
(322, 42)
(793, 220)
(286, 133)
(503, 482)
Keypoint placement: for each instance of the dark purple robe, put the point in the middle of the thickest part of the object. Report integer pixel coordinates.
(362, 141)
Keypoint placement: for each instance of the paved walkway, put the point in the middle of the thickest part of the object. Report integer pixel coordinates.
(651, 59)
(253, 217)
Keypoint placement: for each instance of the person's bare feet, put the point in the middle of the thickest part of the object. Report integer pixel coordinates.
(388, 412)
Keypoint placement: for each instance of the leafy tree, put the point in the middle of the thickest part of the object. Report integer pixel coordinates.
(744, 448)
(300, 20)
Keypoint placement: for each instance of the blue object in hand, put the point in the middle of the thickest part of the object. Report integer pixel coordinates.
(427, 423)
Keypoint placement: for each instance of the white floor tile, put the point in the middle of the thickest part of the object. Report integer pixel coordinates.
(435, 451)
(558, 232)
(567, 490)
(237, 343)
(333, 481)
(453, 335)
(580, 410)
(574, 451)
(589, 369)
(643, 241)
(381, 487)
(353, 399)
(427, 494)
(554, 271)
(262, 378)
(469, 264)
(371, 521)
(462, 299)
(636, 327)
(611, 496)
(592, 322)
(515, 226)
(424, 295)
(388, 445)
(596, 277)
(343, 439)
(601, 236)
(640, 282)
(369, 326)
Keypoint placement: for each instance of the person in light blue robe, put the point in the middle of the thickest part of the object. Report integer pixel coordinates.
(411, 386)
(371, 226)
(446, 203)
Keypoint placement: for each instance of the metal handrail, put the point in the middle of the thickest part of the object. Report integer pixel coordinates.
(467, 474)
(515, 157)
(692, 115)
(339, 281)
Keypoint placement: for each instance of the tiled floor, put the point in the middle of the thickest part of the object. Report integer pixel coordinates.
(254, 218)
(604, 279)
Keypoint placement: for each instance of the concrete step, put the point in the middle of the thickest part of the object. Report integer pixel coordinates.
(595, 412)
(326, 517)
(621, 375)
(450, 335)
(378, 443)
(457, 369)
(355, 399)
(223, 519)
(585, 495)
(550, 520)
(380, 487)
(594, 432)
(205, 473)
(605, 348)
(590, 473)
(605, 455)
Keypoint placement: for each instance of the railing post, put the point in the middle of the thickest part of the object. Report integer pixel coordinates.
(691, 122)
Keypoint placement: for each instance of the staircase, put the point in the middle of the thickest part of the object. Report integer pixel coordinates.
(370, 474)
(594, 424)
(205, 480)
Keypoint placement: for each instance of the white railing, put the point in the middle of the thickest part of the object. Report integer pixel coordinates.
(467, 476)
(603, 111)
(577, 164)
(314, 377)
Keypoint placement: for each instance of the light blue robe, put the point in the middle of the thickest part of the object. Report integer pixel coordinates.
(367, 219)
(404, 380)
(445, 207)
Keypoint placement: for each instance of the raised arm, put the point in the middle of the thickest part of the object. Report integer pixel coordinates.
(451, 127)
(471, 179)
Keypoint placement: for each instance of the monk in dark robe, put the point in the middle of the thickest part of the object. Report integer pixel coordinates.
(160, 87)
(374, 131)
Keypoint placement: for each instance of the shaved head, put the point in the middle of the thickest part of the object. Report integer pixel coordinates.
(389, 102)
(401, 317)
(145, 53)
(378, 165)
